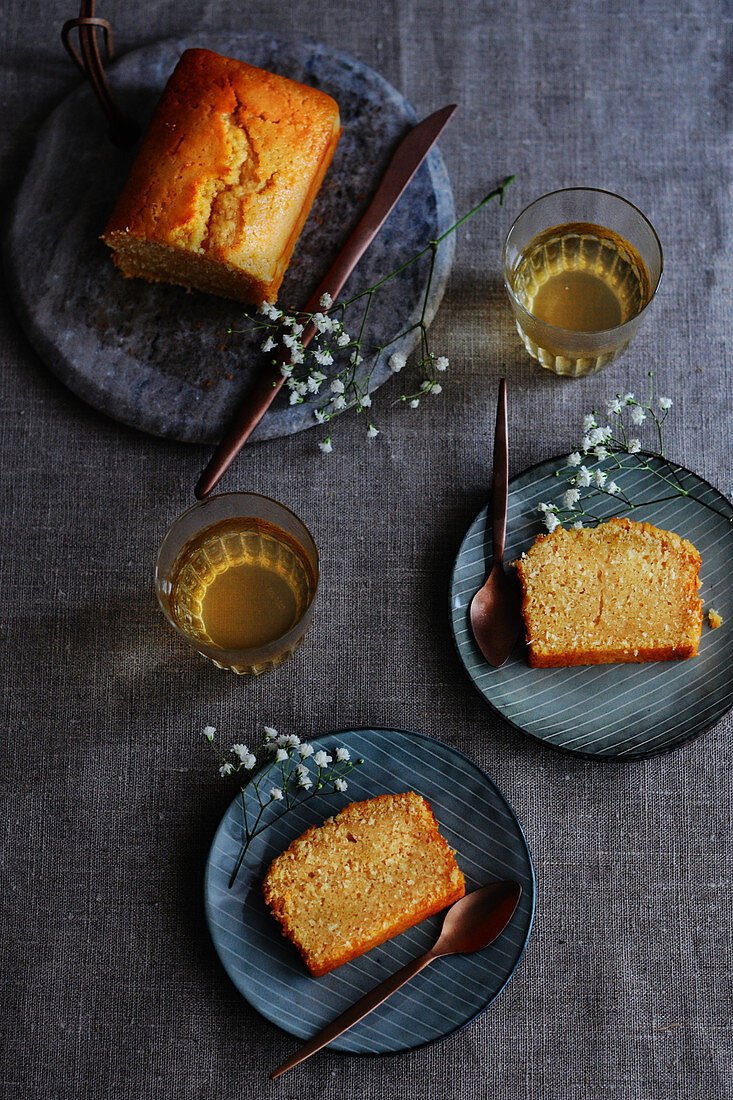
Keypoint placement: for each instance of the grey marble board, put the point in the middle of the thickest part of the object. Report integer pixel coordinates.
(158, 357)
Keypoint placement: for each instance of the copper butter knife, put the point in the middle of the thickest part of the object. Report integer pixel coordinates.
(406, 160)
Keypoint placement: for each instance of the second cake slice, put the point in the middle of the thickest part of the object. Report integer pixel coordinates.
(618, 592)
(367, 874)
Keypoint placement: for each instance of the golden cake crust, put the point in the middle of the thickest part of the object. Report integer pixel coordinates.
(619, 592)
(224, 179)
(375, 869)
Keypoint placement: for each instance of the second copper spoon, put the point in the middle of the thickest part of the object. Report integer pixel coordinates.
(470, 924)
(495, 615)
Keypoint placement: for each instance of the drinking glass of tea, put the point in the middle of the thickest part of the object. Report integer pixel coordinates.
(581, 267)
(236, 576)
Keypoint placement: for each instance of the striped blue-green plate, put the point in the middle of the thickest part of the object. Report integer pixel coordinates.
(474, 818)
(613, 711)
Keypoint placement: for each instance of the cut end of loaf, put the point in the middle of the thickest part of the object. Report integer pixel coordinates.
(161, 263)
(372, 871)
(618, 592)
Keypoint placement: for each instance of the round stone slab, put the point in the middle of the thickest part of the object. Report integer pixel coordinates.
(158, 357)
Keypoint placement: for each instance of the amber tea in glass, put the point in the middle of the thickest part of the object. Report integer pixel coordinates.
(580, 285)
(240, 587)
(581, 277)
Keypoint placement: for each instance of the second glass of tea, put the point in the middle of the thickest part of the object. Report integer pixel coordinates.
(581, 267)
(236, 576)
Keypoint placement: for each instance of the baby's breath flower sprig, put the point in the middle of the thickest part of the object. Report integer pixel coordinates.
(595, 459)
(283, 770)
(329, 366)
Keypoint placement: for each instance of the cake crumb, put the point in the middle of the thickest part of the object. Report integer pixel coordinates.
(714, 619)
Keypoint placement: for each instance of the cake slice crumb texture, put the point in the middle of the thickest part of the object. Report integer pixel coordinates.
(375, 869)
(621, 591)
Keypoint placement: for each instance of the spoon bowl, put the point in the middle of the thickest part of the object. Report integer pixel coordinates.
(475, 921)
(495, 616)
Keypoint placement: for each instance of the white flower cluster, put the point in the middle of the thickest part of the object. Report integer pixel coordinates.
(330, 335)
(246, 758)
(345, 391)
(288, 334)
(360, 399)
(287, 745)
(430, 385)
(303, 778)
(278, 749)
(594, 439)
(601, 442)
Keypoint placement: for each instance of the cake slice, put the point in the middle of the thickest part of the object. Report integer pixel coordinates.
(375, 869)
(224, 179)
(621, 591)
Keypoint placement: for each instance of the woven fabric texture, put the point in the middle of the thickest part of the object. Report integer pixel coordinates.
(110, 985)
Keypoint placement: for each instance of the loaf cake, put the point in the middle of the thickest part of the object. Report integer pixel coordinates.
(375, 869)
(224, 179)
(621, 591)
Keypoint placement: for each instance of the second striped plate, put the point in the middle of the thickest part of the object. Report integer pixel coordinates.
(474, 818)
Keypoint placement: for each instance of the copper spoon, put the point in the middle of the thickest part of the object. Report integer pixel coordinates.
(471, 924)
(495, 614)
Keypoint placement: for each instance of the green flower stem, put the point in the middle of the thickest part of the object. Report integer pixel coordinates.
(284, 784)
(360, 337)
(659, 432)
(423, 327)
(498, 192)
(244, 814)
(433, 255)
(249, 837)
(676, 485)
(662, 457)
(321, 780)
(624, 444)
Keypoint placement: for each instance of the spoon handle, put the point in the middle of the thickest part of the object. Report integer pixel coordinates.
(357, 1012)
(500, 479)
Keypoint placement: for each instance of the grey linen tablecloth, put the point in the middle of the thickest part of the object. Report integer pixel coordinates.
(111, 987)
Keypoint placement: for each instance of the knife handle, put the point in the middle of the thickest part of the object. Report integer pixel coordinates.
(358, 1011)
(406, 160)
(500, 479)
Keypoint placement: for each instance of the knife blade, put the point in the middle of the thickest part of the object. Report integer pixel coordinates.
(405, 161)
